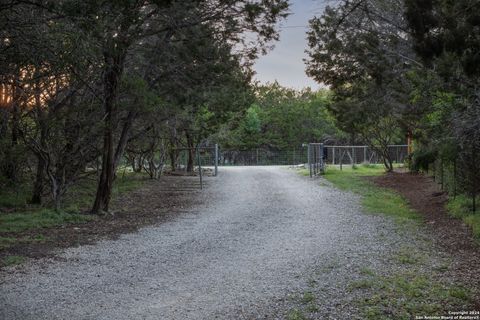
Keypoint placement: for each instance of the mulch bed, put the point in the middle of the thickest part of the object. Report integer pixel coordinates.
(424, 195)
(155, 202)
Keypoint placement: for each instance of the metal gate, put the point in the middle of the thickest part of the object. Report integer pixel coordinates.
(263, 157)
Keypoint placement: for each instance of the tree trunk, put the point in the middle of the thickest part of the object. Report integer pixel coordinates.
(57, 199)
(10, 168)
(38, 185)
(113, 72)
(191, 152)
(388, 162)
(173, 159)
(173, 147)
(122, 143)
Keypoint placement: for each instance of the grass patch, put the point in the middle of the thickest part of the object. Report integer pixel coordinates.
(408, 256)
(22, 217)
(367, 271)
(12, 260)
(407, 294)
(375, 200)
(308, 297)
(303, 172)
(360, 284)
(296, 314)
(7, 242)
(22, 221)
(460, 208)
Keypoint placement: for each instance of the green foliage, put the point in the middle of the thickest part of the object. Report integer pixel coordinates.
(97, 77)
(423, 160)
(13, 196)
(439, 41)
(281, 119)
(350, 49)
(248, 132)
(461, 207)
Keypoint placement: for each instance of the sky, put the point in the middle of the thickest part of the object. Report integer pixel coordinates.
(285, 63)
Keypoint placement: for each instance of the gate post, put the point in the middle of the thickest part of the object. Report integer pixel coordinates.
(309, 159)
(216, 159)
(199, 168)
(322, 159)
(353, 157)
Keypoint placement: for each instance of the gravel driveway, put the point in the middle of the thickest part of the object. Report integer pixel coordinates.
(260, 234)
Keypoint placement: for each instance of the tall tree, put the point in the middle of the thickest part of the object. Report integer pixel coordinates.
(362, 51)
(119, 26)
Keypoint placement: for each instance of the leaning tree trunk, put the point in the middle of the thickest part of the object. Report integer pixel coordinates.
(122, 143)
(113, 72)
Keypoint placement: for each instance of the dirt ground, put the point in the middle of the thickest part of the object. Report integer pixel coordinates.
(425, 196)
(155, 201)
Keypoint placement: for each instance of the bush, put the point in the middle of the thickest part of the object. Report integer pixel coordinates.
(422, 160)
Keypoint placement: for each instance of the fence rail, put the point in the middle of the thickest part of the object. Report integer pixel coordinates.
(315, 155)
(319, 155)
(263, 157)
(338, 155)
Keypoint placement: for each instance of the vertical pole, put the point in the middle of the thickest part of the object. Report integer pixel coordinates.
(216, 159)
(341, 160)
(353, 157)
(199, 169)
(309, 159)
(322, 160)
(365, 154)
(333, 155)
